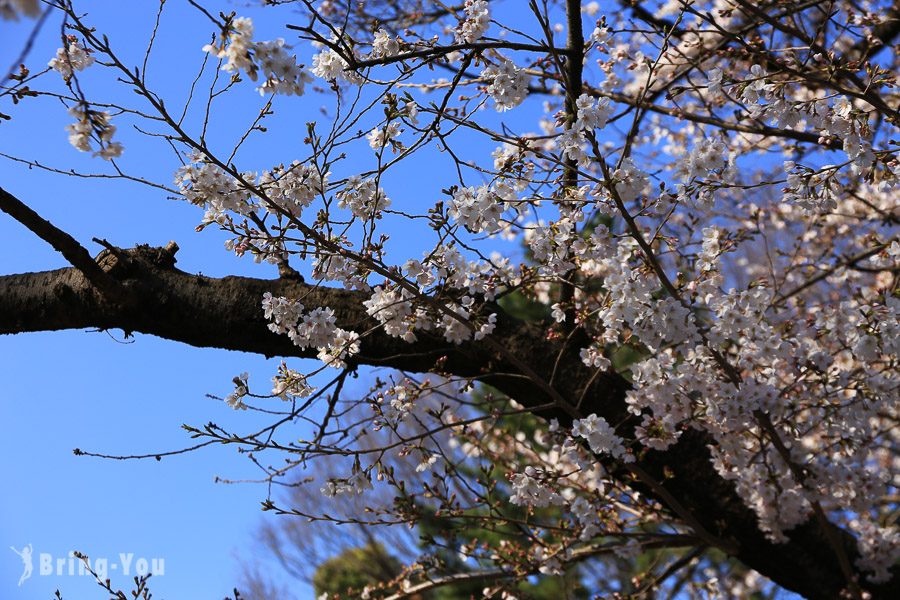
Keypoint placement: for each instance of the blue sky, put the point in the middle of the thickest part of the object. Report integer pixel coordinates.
(88, 389)
(98, 392)
(83, 389)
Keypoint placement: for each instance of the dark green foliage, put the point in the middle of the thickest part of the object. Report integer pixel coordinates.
(354, 569)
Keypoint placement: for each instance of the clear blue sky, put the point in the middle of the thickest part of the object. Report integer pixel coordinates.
(87, 389)
(63, 390)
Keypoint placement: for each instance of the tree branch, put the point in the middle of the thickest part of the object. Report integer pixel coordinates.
(61, 241)
(226, 313)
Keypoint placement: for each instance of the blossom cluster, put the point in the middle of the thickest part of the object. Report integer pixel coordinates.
(384, 46)
(331, 66)
(314, 329)
(74, 57)
(476, 22)
(280, 72)
(93, 125)
(357, 483)
(591, 114)
(363, 197)
(601, 437)
(206, 184)
(284, 189)
(289, 384)
(508, 84)
(529, 490)
(380, 137)
(293, 188)
(480, 209)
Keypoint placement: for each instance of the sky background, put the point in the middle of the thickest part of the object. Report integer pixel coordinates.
(99, 392)
(63, 390)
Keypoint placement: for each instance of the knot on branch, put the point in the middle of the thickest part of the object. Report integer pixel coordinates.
(121, 262)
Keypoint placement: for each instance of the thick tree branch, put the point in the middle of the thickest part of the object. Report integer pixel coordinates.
(61, 241)
(226, 313)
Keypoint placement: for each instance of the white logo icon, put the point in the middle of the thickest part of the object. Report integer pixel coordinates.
(25, 555)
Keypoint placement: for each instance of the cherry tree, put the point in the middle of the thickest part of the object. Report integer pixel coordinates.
(652, 312)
